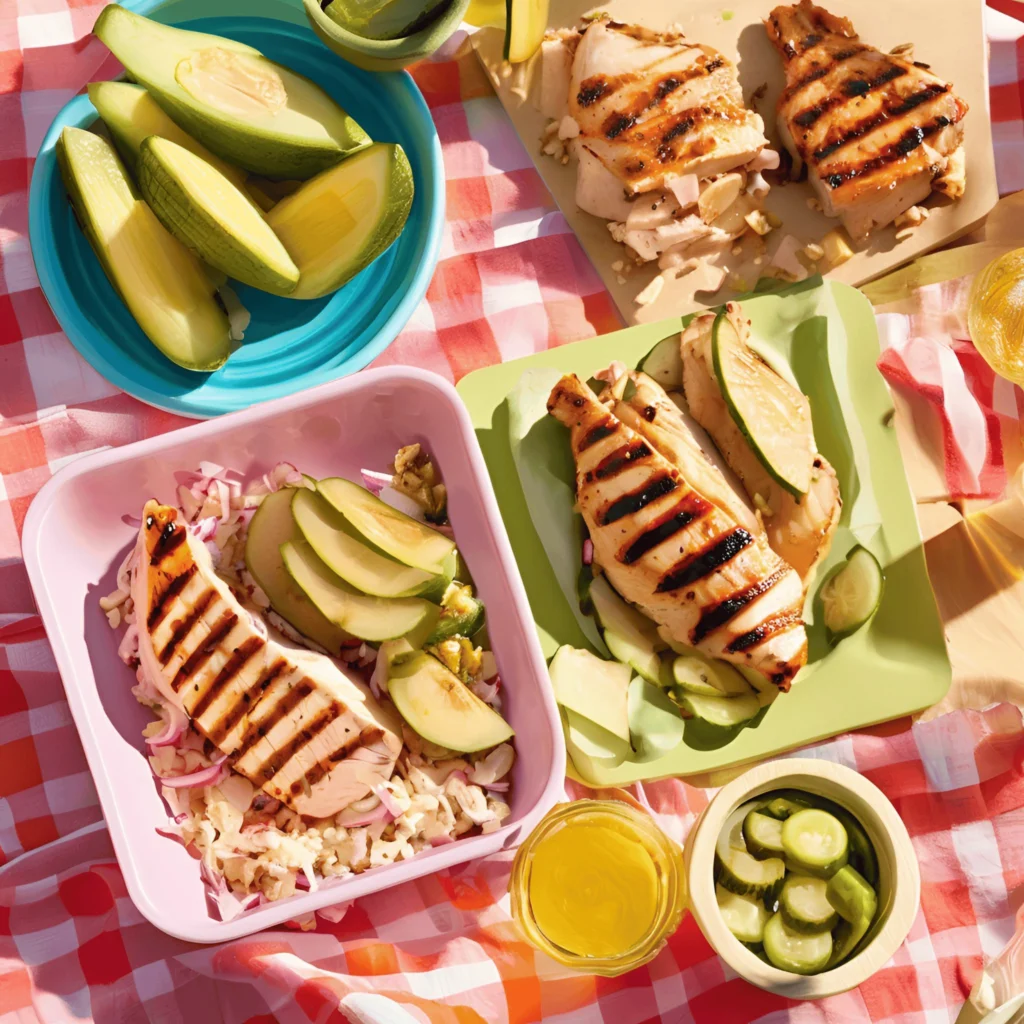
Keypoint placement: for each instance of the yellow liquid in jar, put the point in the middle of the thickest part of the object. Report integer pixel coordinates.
(484, 13)
(593, 888)
(995, 315)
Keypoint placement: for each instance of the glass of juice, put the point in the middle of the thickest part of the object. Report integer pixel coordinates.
(598, 887)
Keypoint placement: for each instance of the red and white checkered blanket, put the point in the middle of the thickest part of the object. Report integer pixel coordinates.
(512, 281)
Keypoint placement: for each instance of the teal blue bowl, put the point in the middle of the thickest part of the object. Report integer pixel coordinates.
(289, 344)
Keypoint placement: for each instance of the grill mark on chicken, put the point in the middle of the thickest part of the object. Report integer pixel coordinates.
(598, 432)
(631, 503)
(158, 611)
(689, 508)
(285, 706)
(171, 538)
(897, 107)
(184, 626)
(840, 57)
(248, 702)
(591, 90)
(620, 459)
(904, 146)
(850, 90)
(768, 628)
(719, 614)
(368, 735)
(240, 656)
(272, 765)
(704, 562)
(204, 651)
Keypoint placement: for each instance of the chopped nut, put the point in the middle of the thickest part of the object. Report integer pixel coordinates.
(762, 506)
(814, 204)
(568, 128)
(617, 266)
(717, 197)
(911, 218)
(620, 279)
(837, 248)
(758, 222)
(737, 249)
(651, 292)
(813, 252)
(617, 230)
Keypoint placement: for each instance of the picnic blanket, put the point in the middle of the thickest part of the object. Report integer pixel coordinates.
(512, 280)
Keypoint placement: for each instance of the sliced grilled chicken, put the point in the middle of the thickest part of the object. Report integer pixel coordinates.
(289, 720)
(799, 530)
(651, 106)
(878, 133)
(671, 550)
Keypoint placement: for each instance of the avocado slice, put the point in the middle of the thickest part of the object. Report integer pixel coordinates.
(596, 689)
(383, 19)
(369, 618)
(342, 550)
(441, 708)
(132, 115)
(228, 96)
(393, 532)
(342, 220)
(163, 285)
(206, 212)
(272, 526)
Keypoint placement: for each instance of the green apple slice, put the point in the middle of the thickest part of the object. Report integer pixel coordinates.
(773, 416)
(228, 96)
(160, 281)
(342, 220)
(441, 708)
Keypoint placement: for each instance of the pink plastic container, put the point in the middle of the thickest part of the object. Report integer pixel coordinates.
(74, 539)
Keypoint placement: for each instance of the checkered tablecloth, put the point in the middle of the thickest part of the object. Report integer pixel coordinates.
(512, 280)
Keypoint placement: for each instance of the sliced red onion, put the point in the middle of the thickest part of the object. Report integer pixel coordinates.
(441, 840)
(126, 568)
(686, 189)
(497, 787)
(379, 678)
(379, 813)
(133, 521)
(170, 832)
(459, 774)
(175, 723)
(209, 776)
(204, 529)
(301, 881)
(588, 552)
(388, 801)
(211, 469)
(128, 648)
(180, 819)
(252, 900)
(375, 482)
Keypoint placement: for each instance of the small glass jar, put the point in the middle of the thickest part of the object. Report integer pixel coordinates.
(670, 887)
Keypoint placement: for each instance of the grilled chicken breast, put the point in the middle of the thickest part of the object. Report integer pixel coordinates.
(799, 530)
(652, 106)
(289, 720)
(878, 133)
(671, 550)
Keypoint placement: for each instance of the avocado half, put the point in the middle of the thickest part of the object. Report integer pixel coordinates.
(167, 291)
(241, 106)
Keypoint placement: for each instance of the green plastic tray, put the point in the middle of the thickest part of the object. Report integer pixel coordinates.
(895, 666)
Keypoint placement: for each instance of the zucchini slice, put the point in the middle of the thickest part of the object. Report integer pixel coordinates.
(793, 951)
(852, 595)
(785, 804)
(774, 417)
(723, 712)
(804, 904)
(526, 21)
(743, 916)
(709, 678)
(815, 843)
(857, 904)
(665, 363)
(763, 835)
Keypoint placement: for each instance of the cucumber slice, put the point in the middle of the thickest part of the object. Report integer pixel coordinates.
(723, 712)
(862, 856)
(774, 417)
(743, 916)
(793, 951)
(708, 678)
(815, 843)
(786, 803)
(630, 636)
(804, 904)
(666, 638)
(665, 363)
(745, 875)
(852, 595)
(526, 21)
(763, 835)
(855, 901)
